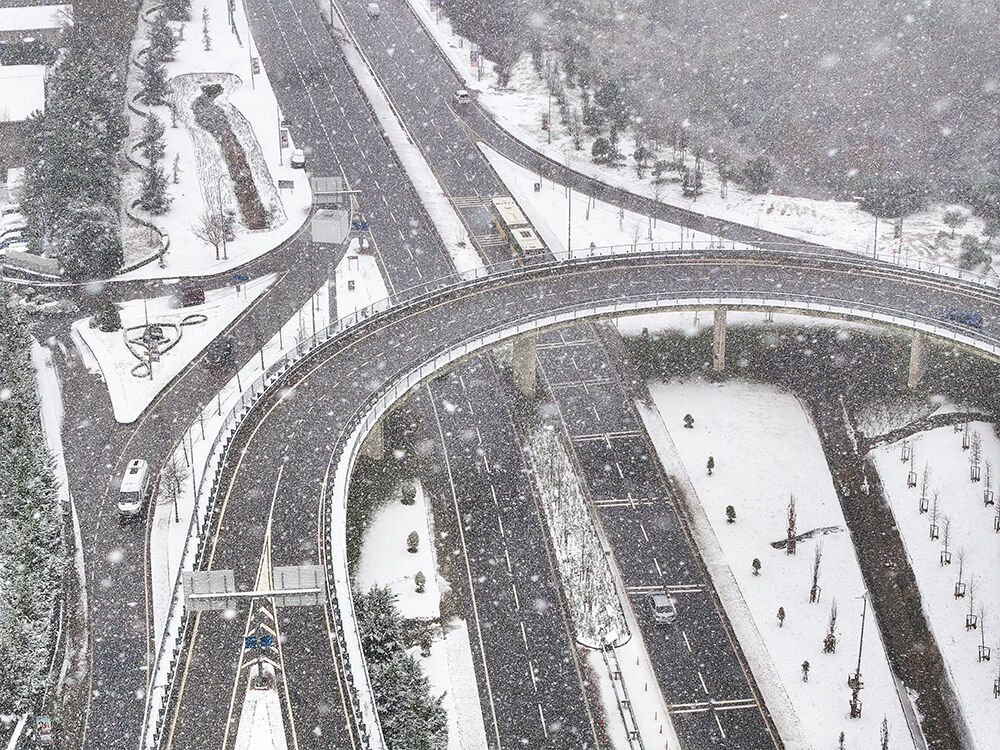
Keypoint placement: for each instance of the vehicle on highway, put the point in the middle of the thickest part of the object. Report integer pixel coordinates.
(461, 97)
(134, 489)
(373, 11)
(969, 318)
(298, 159)
(187, 296)
(9, 209)
(663, 608)
(12, 240)
(220, 351)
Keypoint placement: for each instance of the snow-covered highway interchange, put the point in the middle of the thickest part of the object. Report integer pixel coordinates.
(282, 491)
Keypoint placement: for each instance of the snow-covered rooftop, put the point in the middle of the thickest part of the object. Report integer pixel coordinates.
(35, 17)
(23, 88)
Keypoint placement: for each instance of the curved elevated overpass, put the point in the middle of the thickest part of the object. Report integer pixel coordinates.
(329, 400)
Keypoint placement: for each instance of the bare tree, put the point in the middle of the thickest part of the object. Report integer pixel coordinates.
(815, 590)
(790, 537)
(172, 475)
(945, 553)
(211, 228)
(830, 640)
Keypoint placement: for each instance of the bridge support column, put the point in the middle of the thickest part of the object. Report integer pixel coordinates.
(918, 359)
(719, 340)
(526, 363)
(373, 447)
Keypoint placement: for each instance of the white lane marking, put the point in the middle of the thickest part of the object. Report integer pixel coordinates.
(510, 568)
(494, 491)
(502, 532)
(619, 467)
(542, 717)
(642, 529)
(686, 641)
(719, 725)
(517, 599)
(524, 635)
(702, 680)
(659, 571)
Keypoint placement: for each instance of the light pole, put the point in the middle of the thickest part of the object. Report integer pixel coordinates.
(854, 681)
(859, 199)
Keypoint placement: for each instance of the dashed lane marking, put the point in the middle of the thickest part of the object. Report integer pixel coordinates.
(701, 679)
(541, 716)
(687, 643)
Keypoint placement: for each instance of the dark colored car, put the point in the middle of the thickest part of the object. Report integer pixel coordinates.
(969, 318)
(187, 296)
(220, 351)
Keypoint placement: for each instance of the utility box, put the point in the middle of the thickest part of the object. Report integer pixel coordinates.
(331, 225)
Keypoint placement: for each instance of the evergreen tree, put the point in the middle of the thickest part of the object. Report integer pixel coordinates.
(153, 197)
(87, 241)
(757, 174)
(154, 80)
(153, 146)
(31, 549)
(177, 10)
(162, 42)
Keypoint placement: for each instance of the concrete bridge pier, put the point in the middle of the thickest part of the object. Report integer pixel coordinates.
(719, 340)
(918, 359)
(526, 363)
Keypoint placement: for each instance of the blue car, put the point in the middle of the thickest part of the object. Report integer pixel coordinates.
(969, 318)
(16, 239)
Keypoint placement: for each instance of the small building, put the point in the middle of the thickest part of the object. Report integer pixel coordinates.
(39, 22)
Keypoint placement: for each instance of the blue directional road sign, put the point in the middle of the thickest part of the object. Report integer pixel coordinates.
(241, 277)
(266, 641)
(359, 226)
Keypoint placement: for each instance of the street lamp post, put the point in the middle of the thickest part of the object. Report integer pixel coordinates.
(854, 681)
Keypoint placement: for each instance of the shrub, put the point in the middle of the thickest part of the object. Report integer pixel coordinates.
(757, 174)
(409, 494)
(420, 580)
(412, 541)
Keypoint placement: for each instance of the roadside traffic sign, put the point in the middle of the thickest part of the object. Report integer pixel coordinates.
(43, 730)
(266, 641)
(154, 353)
(359, 226)
(241, 277)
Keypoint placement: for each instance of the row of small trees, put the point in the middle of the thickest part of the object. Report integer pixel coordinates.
(32, 556)
(71, 189)
(411, 718)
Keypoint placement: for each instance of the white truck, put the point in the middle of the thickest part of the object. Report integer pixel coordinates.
(134, 488)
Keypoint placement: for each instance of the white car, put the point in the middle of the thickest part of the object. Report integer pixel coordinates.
(298, 160)
(461, 97)
(374, 11)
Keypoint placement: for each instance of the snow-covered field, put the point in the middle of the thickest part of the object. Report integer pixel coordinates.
(385, 561)
(520, 106)
(766, 450)
(202, 176)
(592, 226)
(971, 537)
(116, 357)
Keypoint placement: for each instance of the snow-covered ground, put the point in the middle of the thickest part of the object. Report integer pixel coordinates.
(587, 580)
(358, 283)
(117, 358)
(593, 226)
(520, 106)
(970, 522)
(261, 726)
(203, 177)
(385, 561)
(766, 450)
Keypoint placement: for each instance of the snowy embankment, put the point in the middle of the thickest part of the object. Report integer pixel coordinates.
(967, 529)
(766, 451)
(593, 227)
(446, 221)
(587, 581)
(385, 561)
(119, 358)
(520, 106)
(202, 178)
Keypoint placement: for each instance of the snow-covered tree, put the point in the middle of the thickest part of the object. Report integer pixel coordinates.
(162, 42)
(153, 147)
(153, 192)
(32, 555)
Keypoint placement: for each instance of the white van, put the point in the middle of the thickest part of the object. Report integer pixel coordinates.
(135, 488)
(374, 11)
(664, 610)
